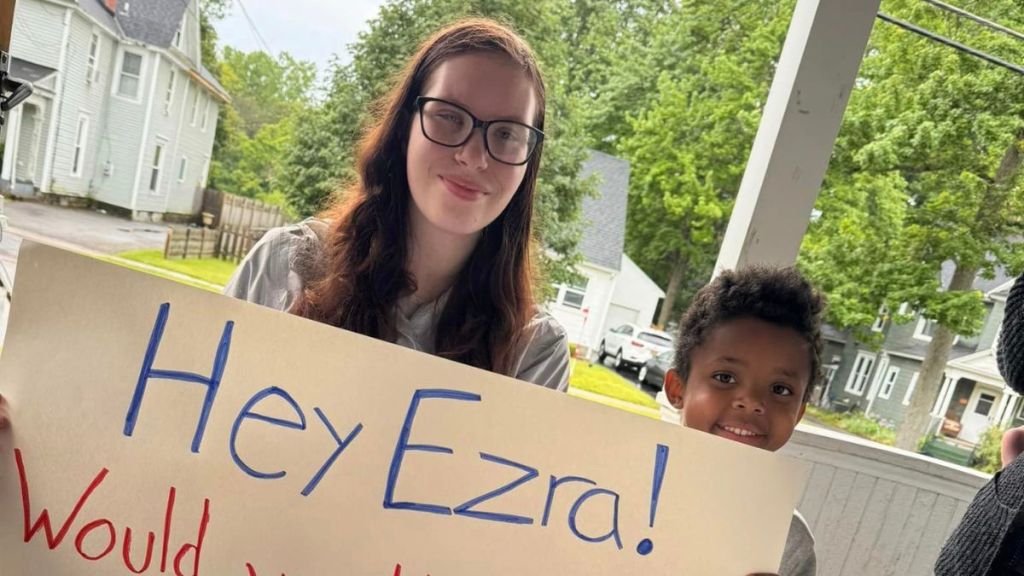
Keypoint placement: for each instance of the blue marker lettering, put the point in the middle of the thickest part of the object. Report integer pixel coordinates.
(247, 414)
(467, 508)
(212, 382)
(342, 444)
(403, 446)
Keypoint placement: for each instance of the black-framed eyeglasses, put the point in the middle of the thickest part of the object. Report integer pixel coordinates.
(451, 125)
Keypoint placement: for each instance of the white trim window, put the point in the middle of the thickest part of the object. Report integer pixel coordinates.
(983, 407)
(880, 319)
(195, 108)
(206, 113)
(172, 83)
(131, 71)
(910, 388)
(858, 379)
(81, 139)
(154, 169)
(572, 295)
(889, 382)
(182, 169)
(92, 72)
(925, 329)
(179, 36)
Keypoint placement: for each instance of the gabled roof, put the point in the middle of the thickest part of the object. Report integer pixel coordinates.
(981, 365)
(604, 216)
(153, 22)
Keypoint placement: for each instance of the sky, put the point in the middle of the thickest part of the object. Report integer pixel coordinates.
(307, 29)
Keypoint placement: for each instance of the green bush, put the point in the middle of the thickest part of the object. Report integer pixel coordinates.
(986, 452)
(855, 423)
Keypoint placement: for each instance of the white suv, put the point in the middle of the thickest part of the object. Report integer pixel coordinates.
(631, 345)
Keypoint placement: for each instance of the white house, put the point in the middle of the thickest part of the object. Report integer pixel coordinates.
(123, 112)
(615, 290)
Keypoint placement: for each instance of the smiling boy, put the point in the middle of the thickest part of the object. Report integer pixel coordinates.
(747, 356)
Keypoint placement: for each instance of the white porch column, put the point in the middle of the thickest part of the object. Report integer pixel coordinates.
(9, 171)
(997, 416)
(942, 402)
(1010, 409)
(810, 91)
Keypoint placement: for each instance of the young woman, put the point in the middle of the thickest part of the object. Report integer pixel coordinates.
(430, 247)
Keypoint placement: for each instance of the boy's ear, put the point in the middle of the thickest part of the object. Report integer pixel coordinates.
(675, 388)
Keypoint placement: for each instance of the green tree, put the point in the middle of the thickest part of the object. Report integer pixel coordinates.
(688, 148)
(949, 129)
(256, 130)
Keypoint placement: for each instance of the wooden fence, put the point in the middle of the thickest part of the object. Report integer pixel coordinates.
(235, 224)
(191, 243)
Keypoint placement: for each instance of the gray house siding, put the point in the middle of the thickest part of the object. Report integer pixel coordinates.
(195, 144)
(122, 132)
(81, 96)
(37, 32)
(891, 409)
(992, 323)
(125, 126)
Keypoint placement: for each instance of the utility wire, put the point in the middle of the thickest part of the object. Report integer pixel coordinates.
(256, 32)
(978, 19)
(951, 43)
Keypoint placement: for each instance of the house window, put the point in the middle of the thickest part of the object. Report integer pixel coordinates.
(178, 36)
(984, 405)
(889, 382)
(131, 75)
(206, 113)
(910, 388)
(154, 174)
(925, 330)
(182, 169)
(195, 108)
(572, 295)
(81, 137)
(880, 320)
(169, 96)
(91, 69)
(859, 375)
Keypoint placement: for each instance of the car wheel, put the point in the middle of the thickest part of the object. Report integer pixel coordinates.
(642, 376)
(601, 354)
(618, 359)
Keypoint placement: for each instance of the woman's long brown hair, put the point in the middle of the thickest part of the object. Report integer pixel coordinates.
(363, 263)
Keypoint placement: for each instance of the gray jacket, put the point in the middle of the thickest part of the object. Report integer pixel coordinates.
(272, 275)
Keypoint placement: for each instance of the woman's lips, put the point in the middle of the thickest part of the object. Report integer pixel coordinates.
(462, 191)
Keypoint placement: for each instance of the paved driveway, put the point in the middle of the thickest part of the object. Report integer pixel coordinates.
(82, 230)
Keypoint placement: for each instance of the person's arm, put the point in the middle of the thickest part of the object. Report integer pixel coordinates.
(545, 360)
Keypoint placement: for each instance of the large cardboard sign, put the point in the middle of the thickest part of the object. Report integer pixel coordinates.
(158, 429)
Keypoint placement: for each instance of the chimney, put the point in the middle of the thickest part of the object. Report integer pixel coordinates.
(111, 6)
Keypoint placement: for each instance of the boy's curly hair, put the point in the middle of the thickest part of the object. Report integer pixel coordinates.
(781, 296)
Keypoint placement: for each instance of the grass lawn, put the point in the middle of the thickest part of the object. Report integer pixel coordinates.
(212, 270)
(601, 380)
(855, 423)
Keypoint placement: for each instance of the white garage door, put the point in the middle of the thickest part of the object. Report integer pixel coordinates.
(619, 315)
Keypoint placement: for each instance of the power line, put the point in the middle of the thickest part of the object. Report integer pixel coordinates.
(978, 19)
(951, 43)
(252, 26)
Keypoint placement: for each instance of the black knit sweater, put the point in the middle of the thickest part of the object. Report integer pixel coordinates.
(989, 541)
